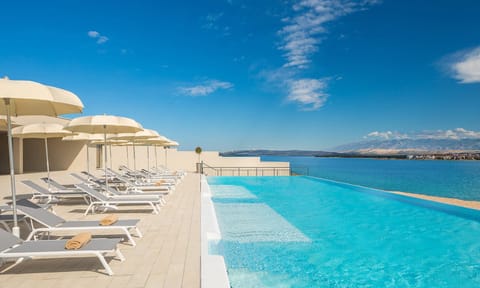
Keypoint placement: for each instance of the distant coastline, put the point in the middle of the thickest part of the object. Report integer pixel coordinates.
(383, 154)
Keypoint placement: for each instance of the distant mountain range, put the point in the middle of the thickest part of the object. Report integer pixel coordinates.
(376, 147)
(411, 145)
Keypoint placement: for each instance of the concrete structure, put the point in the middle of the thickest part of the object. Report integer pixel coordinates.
(29, 156)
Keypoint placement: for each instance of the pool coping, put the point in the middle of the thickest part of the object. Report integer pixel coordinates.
(213, 268)
(455, 210)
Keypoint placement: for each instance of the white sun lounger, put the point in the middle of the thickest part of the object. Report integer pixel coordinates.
(12, 247)
(44, 193)
(54, 223)
(57, 187)
(115, 194)
(100, 200)
(141, 186)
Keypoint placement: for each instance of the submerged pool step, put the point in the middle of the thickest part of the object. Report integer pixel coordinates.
(255, 222)
(231, 192)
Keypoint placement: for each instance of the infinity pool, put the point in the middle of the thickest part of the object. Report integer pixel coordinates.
(309, 232)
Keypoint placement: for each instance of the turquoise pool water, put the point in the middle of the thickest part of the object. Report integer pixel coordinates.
(308, 232)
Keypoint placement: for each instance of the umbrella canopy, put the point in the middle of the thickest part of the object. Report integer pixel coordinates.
(41, 131)
(158, 141)
(104, 124)
(171, 143)
(4, 124)
(134, 138)
(110, 142)
(31, 98)
(140, 135)
(83, 137)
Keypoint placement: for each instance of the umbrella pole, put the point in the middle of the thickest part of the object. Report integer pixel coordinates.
(156, 158)
(105, 158)
(128, 162)
(148, 157)
(88, 163)
(48, 164)
(111, 159)
(134, 158)
(15, 229)
(166, 167)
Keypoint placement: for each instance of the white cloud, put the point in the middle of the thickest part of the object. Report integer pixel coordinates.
(205, 88)
(455, 134)
(458, 133)
(93, 34)
(301, 36)
(385, 135)
(309, 93)
(466, 66)
(102, 39)
(96, 35)
(302, 32)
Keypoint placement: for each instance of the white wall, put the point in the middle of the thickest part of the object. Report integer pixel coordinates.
(185, 160)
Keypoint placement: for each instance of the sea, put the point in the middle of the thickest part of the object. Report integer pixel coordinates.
(444, 178)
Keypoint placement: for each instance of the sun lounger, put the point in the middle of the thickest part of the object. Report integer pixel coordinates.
(114, 193)
(42, 193)
(54, 223)
(14, 247)
(5, 219)
(82, 179)
(165, 174)
(57, 187)
(110, 178)
(134, 185)
(97, 199)
(145, 175)
(133, 194)
(138, 178)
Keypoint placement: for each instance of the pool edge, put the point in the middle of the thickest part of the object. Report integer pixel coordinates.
(213, 268)
(448, 208)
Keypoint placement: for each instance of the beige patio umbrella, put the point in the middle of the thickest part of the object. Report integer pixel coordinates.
(4, 124)
(135, 137)
(168, 145)
(157, 141)
(105, 124)
(41, 131)
(31, 98)
(85, 137)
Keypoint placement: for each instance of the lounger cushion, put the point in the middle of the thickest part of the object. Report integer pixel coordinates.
(79, 224)
(45, 246)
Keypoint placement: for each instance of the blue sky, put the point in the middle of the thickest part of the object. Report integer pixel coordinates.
(233, 74)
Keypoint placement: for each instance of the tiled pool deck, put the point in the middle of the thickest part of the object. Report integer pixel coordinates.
(167, 256)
